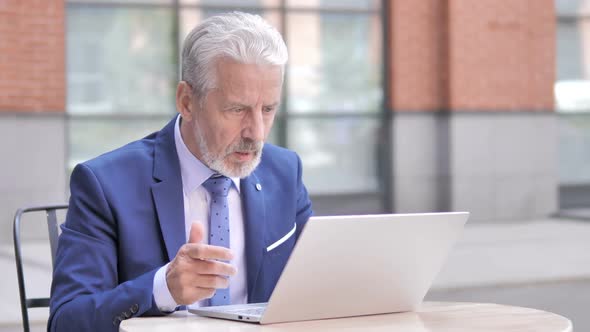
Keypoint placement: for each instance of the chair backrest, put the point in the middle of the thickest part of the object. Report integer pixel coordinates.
(53, 229)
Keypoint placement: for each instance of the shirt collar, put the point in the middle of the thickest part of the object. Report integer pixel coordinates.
(192, 170)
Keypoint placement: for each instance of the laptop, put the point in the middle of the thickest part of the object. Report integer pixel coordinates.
(345, 266)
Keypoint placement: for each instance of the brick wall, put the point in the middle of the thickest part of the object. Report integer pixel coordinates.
(32, 56)
(472, 55)
(418, 51)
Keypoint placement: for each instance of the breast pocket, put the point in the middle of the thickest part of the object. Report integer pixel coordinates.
(283, 244)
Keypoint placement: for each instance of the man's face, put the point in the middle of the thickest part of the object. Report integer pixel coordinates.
(228, 131)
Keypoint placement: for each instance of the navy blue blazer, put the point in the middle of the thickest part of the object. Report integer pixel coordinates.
(126, 220)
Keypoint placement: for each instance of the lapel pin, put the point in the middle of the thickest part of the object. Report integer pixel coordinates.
(258, 187)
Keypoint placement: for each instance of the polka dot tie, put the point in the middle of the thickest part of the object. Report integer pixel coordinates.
(218, 187)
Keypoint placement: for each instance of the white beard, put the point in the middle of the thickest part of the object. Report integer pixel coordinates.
(217, 162)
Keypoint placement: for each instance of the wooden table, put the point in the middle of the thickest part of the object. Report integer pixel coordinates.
(432, 317)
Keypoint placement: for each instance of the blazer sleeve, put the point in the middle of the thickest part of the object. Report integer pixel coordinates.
(85, 293)
(304, 210)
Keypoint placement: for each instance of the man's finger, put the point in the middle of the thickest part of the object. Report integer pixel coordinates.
(208, 267)
(213, 281)
(205, 251)
(196, 233)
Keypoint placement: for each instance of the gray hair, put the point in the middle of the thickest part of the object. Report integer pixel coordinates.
(242, 37)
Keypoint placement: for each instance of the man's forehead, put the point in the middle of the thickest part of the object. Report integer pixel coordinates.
(237, 99)
(235, 90)
(242, 102)
(236, 70)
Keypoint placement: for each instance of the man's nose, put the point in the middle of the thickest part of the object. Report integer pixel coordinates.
(254, 128)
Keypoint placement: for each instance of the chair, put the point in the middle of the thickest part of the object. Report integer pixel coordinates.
(52, 227)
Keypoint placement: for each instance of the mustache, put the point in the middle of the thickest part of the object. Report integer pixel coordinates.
(245, 145)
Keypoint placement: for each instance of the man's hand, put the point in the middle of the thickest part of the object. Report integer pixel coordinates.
(194, 274)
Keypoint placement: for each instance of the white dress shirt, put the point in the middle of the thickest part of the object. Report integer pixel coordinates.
(196, 208)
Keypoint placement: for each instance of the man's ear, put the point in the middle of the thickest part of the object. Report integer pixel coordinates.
(185, 101)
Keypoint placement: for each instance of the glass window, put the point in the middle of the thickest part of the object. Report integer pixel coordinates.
(338, 154)
(573, 66)
(122, 2)
(121, 60)
(572, 7)
(335, 4)
(328, 73)
(569, 58)
(572, 101)
(123, 65)
(232, 4)
(91, 136)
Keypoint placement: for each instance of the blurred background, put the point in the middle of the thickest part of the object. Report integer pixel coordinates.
(393, 106)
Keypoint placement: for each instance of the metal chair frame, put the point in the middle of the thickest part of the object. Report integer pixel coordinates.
(52, 227)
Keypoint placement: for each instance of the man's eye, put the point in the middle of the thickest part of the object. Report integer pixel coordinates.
(239, 110)
(269, 109)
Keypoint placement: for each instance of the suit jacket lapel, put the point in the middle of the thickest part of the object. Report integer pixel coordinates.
(255, 225)
(167, 191)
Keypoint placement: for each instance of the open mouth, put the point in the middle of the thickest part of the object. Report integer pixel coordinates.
(244, 156)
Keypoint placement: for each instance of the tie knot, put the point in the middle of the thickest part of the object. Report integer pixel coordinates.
(217, 185)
